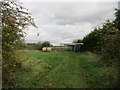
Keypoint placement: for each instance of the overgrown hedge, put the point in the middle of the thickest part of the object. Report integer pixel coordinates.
(15, 19)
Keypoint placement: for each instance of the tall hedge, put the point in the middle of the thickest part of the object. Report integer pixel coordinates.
(15, 19)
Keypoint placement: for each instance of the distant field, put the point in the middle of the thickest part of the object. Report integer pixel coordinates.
(61, 69)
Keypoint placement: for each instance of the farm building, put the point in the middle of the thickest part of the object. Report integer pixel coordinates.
(76, 47)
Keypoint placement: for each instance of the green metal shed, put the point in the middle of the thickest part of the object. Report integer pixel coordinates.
(76, 47)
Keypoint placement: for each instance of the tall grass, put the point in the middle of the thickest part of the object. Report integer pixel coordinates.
(63, 69)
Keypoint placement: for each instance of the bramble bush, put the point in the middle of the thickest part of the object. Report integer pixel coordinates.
(106, 42)
(15, 19)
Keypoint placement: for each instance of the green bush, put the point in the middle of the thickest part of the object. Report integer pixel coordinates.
(14, 21)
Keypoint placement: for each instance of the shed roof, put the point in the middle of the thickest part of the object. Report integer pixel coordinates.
(72, 43)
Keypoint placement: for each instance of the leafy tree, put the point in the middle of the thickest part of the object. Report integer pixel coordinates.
(117, 19)
(106, 41)
(92, 40)
(15, 19)
(46, 44)
(80, 41)
(111, 46)
(75, 41)
(111, 39)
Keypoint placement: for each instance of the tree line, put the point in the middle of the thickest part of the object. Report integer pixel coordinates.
(105, 41)
(36, 46)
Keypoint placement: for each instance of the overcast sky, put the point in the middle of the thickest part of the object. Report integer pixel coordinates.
(60, 22)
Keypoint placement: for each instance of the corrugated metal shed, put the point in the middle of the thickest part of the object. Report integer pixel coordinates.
(76, 47)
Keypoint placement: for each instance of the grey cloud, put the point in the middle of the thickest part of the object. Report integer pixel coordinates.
(65, 22)
(83, 14)
(71, 13)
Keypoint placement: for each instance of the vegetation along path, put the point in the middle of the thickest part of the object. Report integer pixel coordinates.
(60, 69)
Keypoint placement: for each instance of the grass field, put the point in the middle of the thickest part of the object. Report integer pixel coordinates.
(61, 69)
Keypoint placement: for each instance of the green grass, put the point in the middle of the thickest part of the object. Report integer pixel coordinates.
(61, 69)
